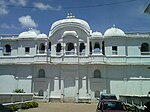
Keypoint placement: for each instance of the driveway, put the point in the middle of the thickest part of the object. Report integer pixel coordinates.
(63, 107)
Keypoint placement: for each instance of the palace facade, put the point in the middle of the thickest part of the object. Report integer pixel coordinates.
(75, 64)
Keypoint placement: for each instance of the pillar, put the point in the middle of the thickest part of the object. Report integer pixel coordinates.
(75, 50)
(62, 89)
(77, 88)
(45, 47)
(49, 88)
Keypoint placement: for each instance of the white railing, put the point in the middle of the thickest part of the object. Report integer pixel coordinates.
(41, 52)
(145, 53)
(72, 57)
(138, 100)
(69, 52)
(6, 53)
(15, 97)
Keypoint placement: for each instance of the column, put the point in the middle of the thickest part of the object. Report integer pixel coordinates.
(86, 49)
(92, 47)
(62, 89)
(77, 88)
(75, 48)
(64, 48)
(45, 47)
(37, 49)
(100, 48)
(49, 88)
(89, 89)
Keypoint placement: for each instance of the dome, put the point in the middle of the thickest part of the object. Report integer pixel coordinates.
(70, 20)
(28, 34)
(96, 34)
(42, 36)
(111, 32)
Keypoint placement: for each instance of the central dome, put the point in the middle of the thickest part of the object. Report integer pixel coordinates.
(70, 20)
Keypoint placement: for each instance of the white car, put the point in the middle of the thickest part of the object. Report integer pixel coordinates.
(105, 96)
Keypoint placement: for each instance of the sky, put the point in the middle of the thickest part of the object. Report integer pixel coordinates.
(17, 16)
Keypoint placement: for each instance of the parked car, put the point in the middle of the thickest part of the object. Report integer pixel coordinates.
(4, 109)
(105, 96)
(110, 106)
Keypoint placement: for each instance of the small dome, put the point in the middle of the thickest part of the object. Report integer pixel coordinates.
(96, 34)
(28, 34)
(112, 32)
(42, 36)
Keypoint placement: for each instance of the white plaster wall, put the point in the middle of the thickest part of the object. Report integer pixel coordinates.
(15, 77)
(7, 83)
(55, 90)
(41, 84)
(26, 43)
(120, 83)
(116, 72)
(99, 84)
(130, 87)
(24, 84)
(83, 78)
(8, 69)
(24, 71)
(134, 44)
(119, 72)
(119, 42)
(13, 44)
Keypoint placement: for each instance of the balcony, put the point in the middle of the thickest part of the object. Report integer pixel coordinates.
(145, 53)
(72, 58)
(72, 52)
(6, 53)
(41, 52)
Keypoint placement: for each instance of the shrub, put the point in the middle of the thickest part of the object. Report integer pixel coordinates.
(13, 107)
(28, 105)
(31, 104)
(25, 106)
(18, 91)
(35, 104)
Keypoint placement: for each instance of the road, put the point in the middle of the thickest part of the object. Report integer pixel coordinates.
(63, 107)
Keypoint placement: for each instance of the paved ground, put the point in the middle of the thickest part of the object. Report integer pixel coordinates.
(63, 107)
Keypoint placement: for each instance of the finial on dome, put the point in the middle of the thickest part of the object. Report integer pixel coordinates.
(114, 25)
(30, 29)
(70, 15)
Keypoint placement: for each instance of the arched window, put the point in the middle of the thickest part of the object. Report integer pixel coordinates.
(103, 48)
(82, 49)
(145, 47)
(96, 47)
(41, 93)
(70, 48)
(41, 73)
(58, 48)
(97, 74)
(49, 48)
(42, 48)
(90, 47)
(7, 48)
(97, 94)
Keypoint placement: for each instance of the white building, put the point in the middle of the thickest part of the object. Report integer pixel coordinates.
(75, 64)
